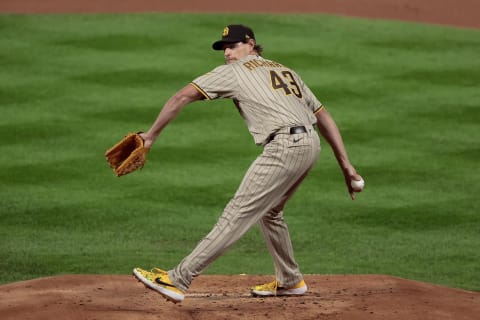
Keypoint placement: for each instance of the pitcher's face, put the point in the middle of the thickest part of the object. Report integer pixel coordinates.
(236, 51)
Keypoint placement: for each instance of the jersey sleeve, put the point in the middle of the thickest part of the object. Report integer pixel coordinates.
(218, 83)
(311, 100)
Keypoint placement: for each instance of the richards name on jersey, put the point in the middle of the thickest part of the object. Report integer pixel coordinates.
(252, 64)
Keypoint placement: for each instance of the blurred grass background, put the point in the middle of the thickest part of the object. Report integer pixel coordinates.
(406, 97)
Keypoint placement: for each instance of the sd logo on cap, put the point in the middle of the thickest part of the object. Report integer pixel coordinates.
(234, 33)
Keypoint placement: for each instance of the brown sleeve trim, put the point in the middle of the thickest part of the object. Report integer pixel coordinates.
(201, 91)
(319, 109)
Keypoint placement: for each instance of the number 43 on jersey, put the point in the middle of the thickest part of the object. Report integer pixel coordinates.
(285, 81)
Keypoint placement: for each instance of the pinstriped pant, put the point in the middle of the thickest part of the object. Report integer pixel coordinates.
(268, 184)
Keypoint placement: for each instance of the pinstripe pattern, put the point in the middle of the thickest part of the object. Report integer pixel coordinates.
(264, 109)
(276, 173)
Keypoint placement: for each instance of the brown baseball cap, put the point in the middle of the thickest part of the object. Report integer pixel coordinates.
(234, 33)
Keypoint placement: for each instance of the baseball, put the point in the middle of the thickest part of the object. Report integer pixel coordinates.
(357, 184)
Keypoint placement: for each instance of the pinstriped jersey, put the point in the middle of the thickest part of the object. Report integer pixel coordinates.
(268, 95)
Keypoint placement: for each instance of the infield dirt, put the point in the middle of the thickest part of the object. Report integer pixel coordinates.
(212, 297)
(349, 297)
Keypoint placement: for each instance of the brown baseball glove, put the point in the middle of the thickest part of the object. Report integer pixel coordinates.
(127, 155)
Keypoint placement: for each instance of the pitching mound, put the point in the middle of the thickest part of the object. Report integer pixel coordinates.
(227, 297)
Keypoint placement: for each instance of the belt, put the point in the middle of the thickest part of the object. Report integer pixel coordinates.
(300, 129)
(291, 130)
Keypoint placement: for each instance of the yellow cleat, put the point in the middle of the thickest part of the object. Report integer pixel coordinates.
(158, 280)
(274, 288)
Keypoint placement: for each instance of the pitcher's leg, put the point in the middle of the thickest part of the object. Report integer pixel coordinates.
(277, 238)
(230, 227)
(276, 234)
(278, 241)
(261, 188)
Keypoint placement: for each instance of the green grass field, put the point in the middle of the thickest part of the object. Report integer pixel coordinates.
(406, 97)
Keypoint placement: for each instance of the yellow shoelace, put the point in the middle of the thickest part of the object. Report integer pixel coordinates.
(272, 286)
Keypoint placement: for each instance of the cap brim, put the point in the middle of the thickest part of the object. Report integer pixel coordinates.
(218, 45)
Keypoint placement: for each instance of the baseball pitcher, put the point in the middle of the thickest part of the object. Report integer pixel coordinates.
(280, 112)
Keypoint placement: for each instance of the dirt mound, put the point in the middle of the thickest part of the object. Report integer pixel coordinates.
(227, 297)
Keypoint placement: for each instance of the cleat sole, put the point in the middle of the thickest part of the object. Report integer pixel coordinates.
(158, 289)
